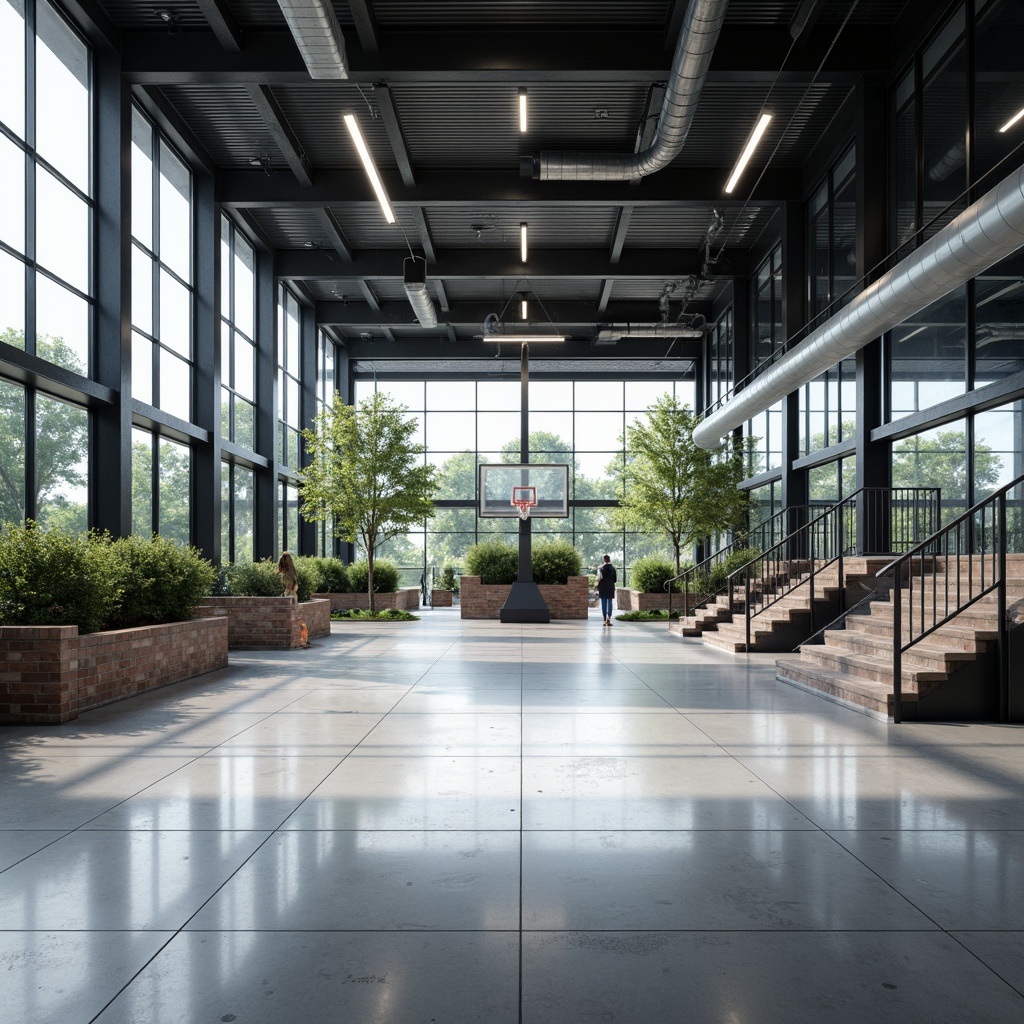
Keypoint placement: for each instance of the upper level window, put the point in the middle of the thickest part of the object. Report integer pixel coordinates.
(161, 272)
(237, 345)
(45, 157)
(288, 374)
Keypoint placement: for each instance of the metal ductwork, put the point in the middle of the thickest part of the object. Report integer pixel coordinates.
(415, 281)
(314, 26)
(612, 332)
(696, 44)
(985, 233)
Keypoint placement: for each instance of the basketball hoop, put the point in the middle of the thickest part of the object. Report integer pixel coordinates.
(524, 498)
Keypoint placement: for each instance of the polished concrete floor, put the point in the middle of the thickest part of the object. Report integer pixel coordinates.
(445, 822)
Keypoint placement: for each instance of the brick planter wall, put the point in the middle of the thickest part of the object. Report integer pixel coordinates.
(269, 621)
(408, 599)
(636, 601)
(50, 673)
(484, 601)
(441, 598)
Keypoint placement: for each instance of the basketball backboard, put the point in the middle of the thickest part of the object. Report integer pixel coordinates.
(500, 483)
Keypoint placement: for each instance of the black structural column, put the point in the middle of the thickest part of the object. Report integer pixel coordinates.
(307, 405)
(524, 602)
(873, 464)
(265, 529)
(206, 487)
(794, 274)
(110, 469)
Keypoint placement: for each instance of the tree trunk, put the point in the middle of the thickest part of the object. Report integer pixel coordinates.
(369, 579)
(676, 546)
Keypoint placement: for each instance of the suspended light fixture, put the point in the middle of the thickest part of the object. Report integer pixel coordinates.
(524, 307)
(522, 110)
(522, 242)
(1013, 120)
(370, 167)
(748, 151)
(524, 338)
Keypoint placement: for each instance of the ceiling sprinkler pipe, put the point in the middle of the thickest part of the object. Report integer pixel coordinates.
(696, 45)
(985, 233)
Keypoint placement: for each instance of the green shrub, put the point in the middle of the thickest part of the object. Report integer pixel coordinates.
(447, 580)
(50, 578)
(159, 581)
(327, 575)
(260, 579)
(385, 576)
(493, 561)
(555, 561)
(649, 575)
(738, 559)
(713, 580)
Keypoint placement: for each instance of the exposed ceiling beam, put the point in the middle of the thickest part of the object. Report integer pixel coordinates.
(606, 294)
(648, 122)
(304, 293)
(334, 234)
(273, 117)
(155, 104)
(393, 125)
(94, 23)
(456, 188)
(220, 19)
(424, 232)
(252, 228)
(501, 264)
(547, 55)
(619, 235)
(366, 24)
(436, 344)
(369, 295)
(580, 315)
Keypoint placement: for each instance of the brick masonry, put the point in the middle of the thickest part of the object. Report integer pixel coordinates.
(636, 601)
(441, 598)
(408, 599)
(484, 601)
(274, 622)
(50, 673)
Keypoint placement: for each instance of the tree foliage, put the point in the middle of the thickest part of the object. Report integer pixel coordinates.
(367, 474)
(671, 486)
(941, 461)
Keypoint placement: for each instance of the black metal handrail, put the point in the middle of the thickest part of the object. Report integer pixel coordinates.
(976, 539)
(757, 536)
(870, 520)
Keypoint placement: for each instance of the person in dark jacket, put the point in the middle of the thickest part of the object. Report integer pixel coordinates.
(606, 577)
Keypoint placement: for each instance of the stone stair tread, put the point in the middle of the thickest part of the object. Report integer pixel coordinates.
(884, 645)
(870, 663)
(865, 692)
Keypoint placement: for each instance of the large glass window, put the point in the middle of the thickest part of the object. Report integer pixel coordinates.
(161, 487)
(288, 390)
(162, 297)
(238, 348)
(237, 510)
(765, 429)
(465, 423)
(62, 464)
(46, 287)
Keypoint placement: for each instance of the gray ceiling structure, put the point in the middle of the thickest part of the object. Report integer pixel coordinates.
(434, 85)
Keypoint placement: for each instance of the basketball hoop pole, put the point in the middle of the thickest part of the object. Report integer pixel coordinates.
(524, 602)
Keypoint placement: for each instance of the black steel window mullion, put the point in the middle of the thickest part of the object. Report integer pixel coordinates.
(30, 454)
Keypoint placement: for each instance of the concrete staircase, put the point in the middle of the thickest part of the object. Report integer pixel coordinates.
(948, 674)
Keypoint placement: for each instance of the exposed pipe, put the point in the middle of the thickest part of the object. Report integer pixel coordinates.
(696, 44)
(612, 332)
(415, 283)
(317, 34)
(985, 233)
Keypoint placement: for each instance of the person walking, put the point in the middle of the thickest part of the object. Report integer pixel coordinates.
(606, 577)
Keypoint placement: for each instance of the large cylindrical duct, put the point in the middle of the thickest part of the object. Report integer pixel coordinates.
(701, 27)
(612, 332)
(415, 282)
(985, 233)
(314, 26)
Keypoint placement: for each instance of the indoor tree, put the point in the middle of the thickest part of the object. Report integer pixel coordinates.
(672, 487)
(366, 474)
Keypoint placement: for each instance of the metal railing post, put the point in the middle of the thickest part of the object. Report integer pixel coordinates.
(1003, 637)
(746, 603)
(897, 652)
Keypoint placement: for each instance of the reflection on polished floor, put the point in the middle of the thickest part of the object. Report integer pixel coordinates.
(453, 822)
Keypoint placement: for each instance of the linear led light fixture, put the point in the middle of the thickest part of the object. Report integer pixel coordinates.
(522, 110)
(522, 242)
(524, 338)
(524, 307)
(370, 167)
(1013, 120)
(748, 151)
